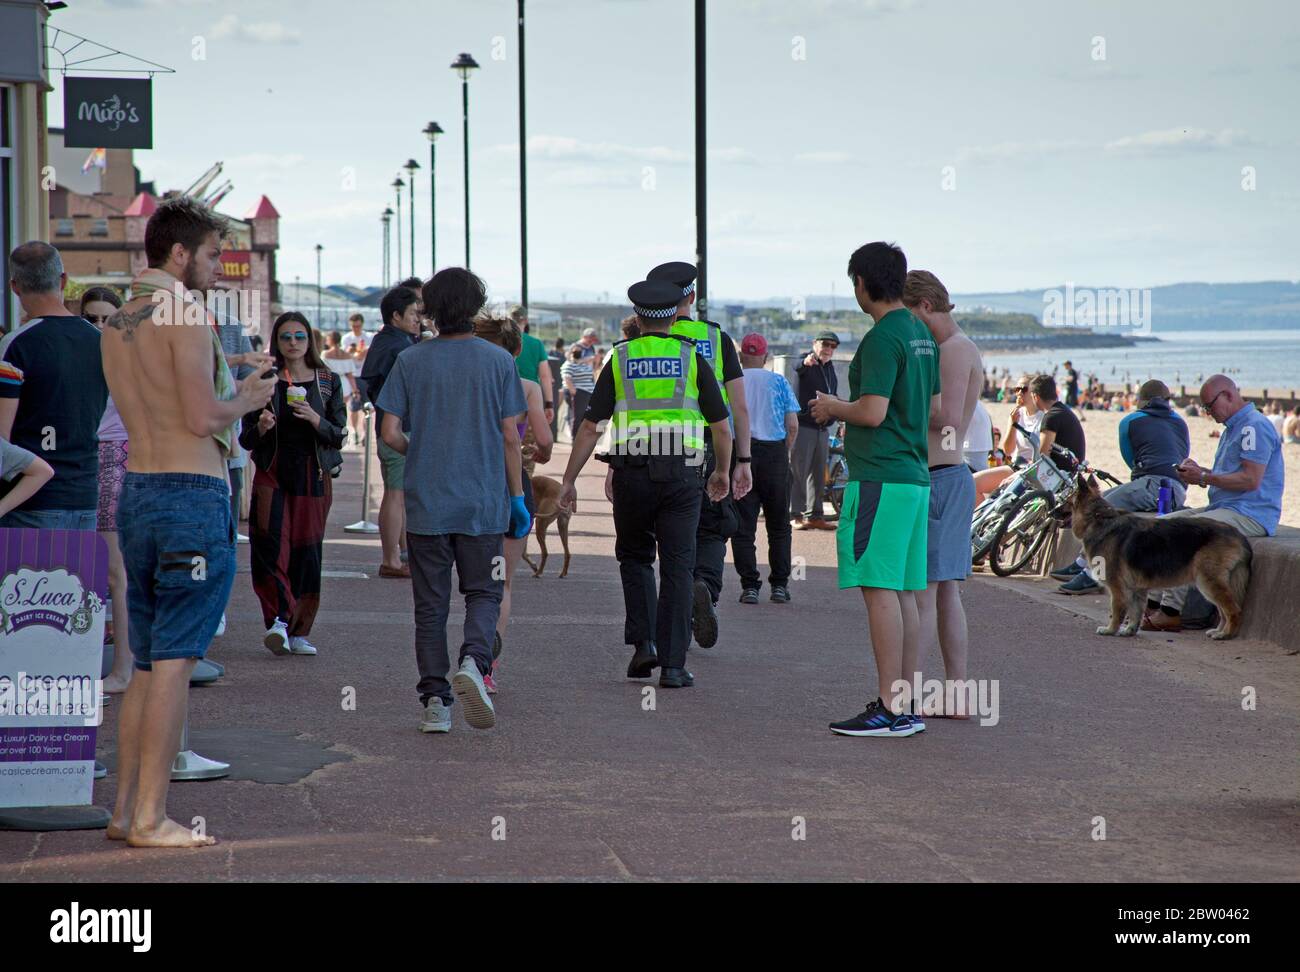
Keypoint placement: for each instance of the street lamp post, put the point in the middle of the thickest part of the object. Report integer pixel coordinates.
(386, 218)
(523, 176)
(463, 65)
(318, 250)
(397, 185)
(410, 167)
(431, 132)
(701, 168)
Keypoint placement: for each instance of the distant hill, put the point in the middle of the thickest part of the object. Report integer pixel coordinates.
(1176, 307)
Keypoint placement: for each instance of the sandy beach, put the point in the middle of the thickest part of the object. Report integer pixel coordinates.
(1102, 430)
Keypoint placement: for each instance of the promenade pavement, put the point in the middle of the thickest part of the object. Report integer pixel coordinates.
(581, 779)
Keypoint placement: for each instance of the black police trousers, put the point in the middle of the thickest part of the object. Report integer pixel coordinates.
(771, 492)
(657, 505)
(718, 524)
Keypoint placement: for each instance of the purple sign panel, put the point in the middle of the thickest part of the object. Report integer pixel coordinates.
(53, 588)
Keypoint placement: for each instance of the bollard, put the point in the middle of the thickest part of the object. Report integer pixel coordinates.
(364, 525)
(189, 765)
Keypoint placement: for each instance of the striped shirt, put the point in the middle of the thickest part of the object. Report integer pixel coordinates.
(579, 372)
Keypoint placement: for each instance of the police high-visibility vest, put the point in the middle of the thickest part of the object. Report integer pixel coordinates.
(708, 341)
(656, 395)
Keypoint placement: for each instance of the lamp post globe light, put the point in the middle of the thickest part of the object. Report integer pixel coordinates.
(318, 252)
(464, 66)
(431, 132)
(397, 187)
(410, 167)
(386, 217)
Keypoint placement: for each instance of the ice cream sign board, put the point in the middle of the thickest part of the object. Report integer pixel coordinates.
(52, 589)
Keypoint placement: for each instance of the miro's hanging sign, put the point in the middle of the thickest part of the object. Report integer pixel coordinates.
(107, 113)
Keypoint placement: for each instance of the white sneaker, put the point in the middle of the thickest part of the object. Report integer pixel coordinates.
(437, 716)
(472, 694)
(277, 638)
(240, 538)
(298, 645)
(221, 628)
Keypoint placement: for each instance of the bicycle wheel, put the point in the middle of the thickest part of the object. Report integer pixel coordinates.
(982, 533)
(837, 477)
(1021, 532)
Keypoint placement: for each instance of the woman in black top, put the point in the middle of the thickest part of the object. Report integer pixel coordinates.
(294, 445)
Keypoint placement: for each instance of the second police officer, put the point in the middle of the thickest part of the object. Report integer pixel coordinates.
(658, 392)
(719, 521)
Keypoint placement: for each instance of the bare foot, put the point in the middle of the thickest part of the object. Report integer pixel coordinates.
(116, 830)
(167, 834)
(115, 686)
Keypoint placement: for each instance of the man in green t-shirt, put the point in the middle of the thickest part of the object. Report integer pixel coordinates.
(533, 362)
(881, 538)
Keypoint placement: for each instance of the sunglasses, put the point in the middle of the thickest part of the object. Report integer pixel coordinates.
(295, 336)
(1021, 388)
(97, 318)
(1210, 404)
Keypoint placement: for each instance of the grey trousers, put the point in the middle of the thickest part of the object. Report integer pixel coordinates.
(808, 472)
(476, 560)
(1174, 597)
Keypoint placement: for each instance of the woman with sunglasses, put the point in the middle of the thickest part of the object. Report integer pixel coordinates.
(1014, 444)
(98, 304)
(294, 444)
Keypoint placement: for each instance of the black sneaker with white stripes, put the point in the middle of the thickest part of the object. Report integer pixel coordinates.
(876, 720)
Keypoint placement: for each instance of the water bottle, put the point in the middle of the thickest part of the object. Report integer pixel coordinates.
(1166, 501)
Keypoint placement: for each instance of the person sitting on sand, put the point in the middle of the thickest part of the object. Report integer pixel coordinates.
(1291, 427)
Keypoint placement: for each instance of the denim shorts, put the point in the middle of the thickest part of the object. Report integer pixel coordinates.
(49, 520)
(178, 544)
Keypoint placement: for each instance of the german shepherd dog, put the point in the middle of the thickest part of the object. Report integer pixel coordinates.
(546, 494)
(1134, 554)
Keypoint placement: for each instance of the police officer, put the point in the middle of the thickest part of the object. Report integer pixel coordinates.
(718, 521)
(659, 392)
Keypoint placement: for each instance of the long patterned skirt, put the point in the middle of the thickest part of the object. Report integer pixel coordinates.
(286, 535)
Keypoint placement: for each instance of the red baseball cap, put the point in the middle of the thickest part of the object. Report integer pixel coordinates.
(753, 344)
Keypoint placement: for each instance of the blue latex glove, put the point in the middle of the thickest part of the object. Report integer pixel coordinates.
(521, 521)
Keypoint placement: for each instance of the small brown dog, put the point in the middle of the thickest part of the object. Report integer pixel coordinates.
(1132, 554)
(546, 494)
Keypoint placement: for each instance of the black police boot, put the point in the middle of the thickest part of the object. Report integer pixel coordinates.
(676, 678)
(644, 662)
(704, 618)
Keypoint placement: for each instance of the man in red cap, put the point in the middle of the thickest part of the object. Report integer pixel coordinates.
(773, 428)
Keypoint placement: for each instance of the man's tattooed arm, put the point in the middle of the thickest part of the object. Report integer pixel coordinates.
(127, 321)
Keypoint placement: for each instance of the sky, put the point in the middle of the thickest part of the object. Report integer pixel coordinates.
(1004, 144)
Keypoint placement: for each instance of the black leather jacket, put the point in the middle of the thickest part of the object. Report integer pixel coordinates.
(329, 437)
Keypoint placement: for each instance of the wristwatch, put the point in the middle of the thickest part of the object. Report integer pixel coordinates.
(1202, 477)
(744, 458)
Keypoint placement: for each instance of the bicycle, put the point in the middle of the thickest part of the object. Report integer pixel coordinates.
(837, 469)
(1042, 489)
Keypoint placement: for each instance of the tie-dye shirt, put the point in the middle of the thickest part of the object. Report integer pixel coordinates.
(770, 398)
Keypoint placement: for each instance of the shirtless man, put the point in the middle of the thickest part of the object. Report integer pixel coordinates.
(167, 376)
(952, 487)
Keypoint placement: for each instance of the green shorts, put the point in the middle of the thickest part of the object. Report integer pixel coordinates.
(393, 464)
(881, 537)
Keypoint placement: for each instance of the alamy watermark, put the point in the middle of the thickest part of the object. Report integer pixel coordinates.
(967, 698)
(1097, 307)
(52, 695)
(244, 306)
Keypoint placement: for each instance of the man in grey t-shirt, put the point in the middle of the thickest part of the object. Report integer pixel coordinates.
(461, 398)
